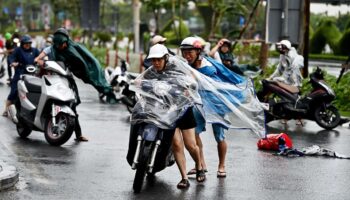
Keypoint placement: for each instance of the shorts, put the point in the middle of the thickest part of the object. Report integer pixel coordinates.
(187, 121)
(200, 121)
(219, 132)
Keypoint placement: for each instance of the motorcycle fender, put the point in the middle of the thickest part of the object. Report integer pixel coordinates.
(65, 109)
(22, 95)
(150, 132)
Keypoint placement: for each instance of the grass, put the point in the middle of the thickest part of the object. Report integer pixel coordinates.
(345, 113)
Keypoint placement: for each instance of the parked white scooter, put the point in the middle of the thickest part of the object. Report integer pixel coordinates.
(120, 78)
(116, 76)
(46, 104)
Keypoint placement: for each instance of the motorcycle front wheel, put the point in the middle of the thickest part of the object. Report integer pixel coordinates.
(22, 129)
(327, 117)
(59, 134)
(142, 165)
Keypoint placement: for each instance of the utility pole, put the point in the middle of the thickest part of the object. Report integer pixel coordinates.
(136, 19)
(264, 49)
(285, 20)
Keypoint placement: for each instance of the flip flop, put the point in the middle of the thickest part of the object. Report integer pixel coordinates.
(81, 139)
(194, 171)
(200, 175)
(221, 174)
(183, 184)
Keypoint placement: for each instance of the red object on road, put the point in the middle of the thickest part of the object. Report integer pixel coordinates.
(271, 142)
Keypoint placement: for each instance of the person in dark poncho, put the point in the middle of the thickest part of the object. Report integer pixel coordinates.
(21, 57)
(81, 63)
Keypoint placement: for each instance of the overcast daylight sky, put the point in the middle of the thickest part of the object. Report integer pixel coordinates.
(331, 10)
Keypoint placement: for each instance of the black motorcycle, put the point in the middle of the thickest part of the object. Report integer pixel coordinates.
(149, 151)
(285, 102)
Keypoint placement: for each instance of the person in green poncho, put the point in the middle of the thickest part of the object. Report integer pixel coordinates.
(81, 63)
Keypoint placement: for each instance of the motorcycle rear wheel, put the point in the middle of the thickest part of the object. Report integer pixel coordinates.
(142, 165)
(22, 129)
(327, 117)
(65, 127)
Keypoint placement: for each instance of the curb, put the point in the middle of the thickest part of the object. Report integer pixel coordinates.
(8, 176)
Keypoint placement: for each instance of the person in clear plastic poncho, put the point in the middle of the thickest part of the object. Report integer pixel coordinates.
(229, 100)
(287, 72)
(168, 93)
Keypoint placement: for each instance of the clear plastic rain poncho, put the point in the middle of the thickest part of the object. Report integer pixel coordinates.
(232, 105)
(165, 96)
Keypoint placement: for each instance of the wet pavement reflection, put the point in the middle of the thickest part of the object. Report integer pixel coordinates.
(98, 169)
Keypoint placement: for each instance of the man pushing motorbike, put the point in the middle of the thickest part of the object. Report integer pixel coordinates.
(167, 94)
(82, 64)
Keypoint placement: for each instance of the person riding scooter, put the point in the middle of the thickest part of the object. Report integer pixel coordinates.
(167, 94)
(288, 69)
(19, 59)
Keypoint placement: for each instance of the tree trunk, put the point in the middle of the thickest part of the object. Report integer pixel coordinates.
(306, 19)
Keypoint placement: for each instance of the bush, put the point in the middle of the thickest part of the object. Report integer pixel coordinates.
(344, 42)
(327, 33)
(103, 37)
(100, 54)
(175, 35)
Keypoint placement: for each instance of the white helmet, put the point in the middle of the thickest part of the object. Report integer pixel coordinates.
(157, 39)
(284, 43)
(158, 51)
(191, 43)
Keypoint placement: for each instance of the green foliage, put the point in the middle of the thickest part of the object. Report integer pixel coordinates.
(247, 53)
(342, 90)
(175, 35)
(326, 33)
(327, 57)
(120, 36)
(344, 48)
(76, 32)
(100, 54)
(146, 43)
(103, 36)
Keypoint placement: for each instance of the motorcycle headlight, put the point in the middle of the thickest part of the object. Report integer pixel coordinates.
(161, 88)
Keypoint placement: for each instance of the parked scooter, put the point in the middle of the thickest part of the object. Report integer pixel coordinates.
(115, 76)
(119, 78)
(45, 104)
(284, 102)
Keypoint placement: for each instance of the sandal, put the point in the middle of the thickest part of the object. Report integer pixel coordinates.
(194, 171)
(221, 174)
(5, 114)
(183, 184)
(200, 175)
(81, 139)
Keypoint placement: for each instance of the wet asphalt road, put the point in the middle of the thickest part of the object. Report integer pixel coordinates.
(98, 169)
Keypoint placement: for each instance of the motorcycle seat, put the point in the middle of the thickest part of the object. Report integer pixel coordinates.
(289, 88)
(32, 83)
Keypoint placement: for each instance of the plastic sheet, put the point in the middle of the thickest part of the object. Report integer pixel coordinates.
(164, 97)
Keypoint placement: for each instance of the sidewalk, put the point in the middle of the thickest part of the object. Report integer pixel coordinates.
(8, 176)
